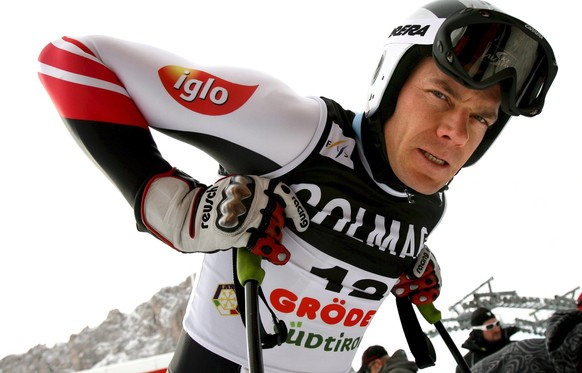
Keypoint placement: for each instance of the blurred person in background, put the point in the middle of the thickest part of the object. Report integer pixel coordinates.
(487, 336)
(560, 350)
(375, 359)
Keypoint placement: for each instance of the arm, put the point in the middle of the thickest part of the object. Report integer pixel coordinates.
(109, 93)
(249, 122)
(221, 110)
(101, 116)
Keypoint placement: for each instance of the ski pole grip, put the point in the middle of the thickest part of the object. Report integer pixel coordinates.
(430, 313)
(248, 267)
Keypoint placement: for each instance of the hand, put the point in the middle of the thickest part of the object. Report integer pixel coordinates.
(236, 211)
(422, 282)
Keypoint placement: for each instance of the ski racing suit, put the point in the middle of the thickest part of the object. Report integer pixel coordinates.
(365, 228)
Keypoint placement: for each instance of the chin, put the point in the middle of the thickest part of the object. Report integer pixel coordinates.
(423, 184)
(429, 189)
(428, 192)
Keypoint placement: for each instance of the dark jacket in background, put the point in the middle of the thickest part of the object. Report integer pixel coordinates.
(559, 352)
(479, 348)
(399, 363)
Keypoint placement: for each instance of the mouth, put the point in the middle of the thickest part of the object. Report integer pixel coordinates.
(434, 159)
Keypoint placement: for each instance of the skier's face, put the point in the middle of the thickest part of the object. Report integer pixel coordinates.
(436, 126)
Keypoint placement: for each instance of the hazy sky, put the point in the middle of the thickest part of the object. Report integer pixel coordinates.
(71, 252)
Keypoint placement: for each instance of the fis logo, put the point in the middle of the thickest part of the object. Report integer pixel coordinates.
(202, 92)
(338, 147)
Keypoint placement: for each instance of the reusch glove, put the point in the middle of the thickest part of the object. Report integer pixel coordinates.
(236, 211)
(422, 282)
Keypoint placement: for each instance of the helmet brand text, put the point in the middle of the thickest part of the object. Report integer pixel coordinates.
(412, 30)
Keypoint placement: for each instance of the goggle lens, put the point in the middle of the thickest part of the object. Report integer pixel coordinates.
(487, 49)
(483, 47)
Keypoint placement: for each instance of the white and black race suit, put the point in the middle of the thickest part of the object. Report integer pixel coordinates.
(365, 228)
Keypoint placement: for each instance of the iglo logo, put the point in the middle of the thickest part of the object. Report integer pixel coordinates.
(202, 92)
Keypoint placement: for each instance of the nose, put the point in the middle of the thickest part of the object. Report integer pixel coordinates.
(454, 127)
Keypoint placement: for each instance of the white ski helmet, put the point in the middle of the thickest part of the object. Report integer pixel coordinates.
(476, 44)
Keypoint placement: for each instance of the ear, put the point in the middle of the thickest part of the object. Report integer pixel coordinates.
(377, 363)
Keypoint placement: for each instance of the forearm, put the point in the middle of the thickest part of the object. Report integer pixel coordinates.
(127, 155)
(100, 115)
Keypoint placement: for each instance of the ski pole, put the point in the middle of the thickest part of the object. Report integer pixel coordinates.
(433, 316)
(250, 275)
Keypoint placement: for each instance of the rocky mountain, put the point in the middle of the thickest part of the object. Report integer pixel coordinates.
(151, 329)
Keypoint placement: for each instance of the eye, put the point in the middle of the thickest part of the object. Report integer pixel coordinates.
(439, 95)
(482, 120)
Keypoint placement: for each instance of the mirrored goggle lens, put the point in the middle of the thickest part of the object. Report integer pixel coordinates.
(489, 52)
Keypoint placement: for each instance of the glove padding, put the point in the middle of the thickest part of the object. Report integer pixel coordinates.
(422, 282)
(236, 211)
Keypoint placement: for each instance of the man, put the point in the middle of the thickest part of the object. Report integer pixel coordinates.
(559, 351)
(487, 336)
(375, 359)
(340, 204)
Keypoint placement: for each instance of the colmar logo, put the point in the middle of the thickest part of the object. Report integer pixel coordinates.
(202, 92)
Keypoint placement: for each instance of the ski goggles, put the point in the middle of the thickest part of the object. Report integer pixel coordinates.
(487, 326)
(483, 47)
